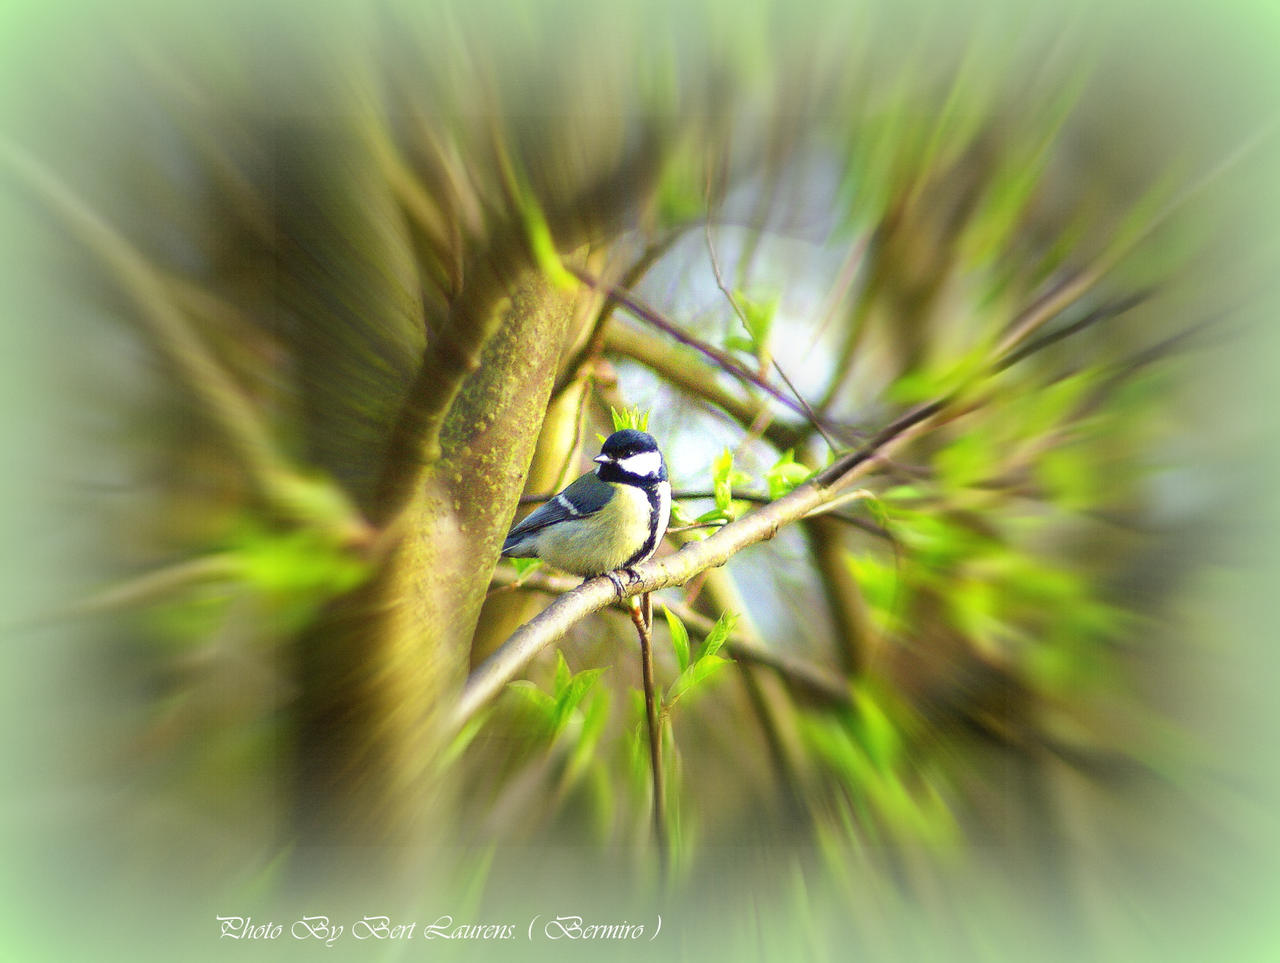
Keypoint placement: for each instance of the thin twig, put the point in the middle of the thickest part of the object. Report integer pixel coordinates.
(594, 344)
(1109, 310)
(689, 375)
(655, 734)
(808, 409)
(649, 315)
(742, 316)
(1066, 292)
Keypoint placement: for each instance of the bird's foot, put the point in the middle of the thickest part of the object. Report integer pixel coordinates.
(616, 577)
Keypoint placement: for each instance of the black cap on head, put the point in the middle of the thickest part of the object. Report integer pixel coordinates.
(628, 442)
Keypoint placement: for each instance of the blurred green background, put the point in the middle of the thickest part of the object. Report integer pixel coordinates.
(243, 250)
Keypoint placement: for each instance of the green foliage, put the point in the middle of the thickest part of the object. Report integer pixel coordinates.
(582, 756)
(718, 635)
(296, 562)
(679, 638)
(678, 517)
(872, 777)
(554, 710)
(569, 691)
(785, 474)
(723, 477)
(537, 231)
(757, 319)
(524, 566)
(949, 377)
(629, 418)
(679, 197)
(466, 735)
(691, 678)
(703, 665)
(288, 572)
(722, 485)
(878, 582)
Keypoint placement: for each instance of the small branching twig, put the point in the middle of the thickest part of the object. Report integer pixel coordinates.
(809, 413)
(644, 312)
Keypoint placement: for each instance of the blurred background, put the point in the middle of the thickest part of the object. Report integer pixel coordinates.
(300, 302)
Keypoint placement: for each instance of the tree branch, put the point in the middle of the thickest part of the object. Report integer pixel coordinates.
(757, 498)
(814, 680)
(655, 733)
(647, 314)
(676, 569)
(696, 557)
(680, 370)
(276, 481)
(742, 318)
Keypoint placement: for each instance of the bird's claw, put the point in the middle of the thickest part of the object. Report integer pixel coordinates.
(616, 578)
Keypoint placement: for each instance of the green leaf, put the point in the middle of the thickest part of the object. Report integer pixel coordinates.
(534, 697)
(571, 694)
(718, 635)
(301, 561)
(537, 230)
(904, 493)
(544, 247)
(723, 515)
(785, 475)
(680, 193)
(524, 566)
(563, 675)
(679, 638)
(759, 317)
(967, 460)
(877, 581)
(721, 469)
(1055, 404)
(595, 714)
(919, 385)
(878, 734)
(692, 677)
(736, 342)
(629, 418)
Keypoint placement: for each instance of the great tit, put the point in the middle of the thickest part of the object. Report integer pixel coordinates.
(609, 519)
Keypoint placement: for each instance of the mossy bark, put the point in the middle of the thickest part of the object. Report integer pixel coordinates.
(378, 671)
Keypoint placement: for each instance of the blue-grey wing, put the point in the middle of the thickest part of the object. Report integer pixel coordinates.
(583, 498)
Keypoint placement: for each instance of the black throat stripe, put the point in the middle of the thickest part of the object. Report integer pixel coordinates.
(650, 543)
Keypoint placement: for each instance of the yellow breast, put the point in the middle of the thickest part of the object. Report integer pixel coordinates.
(603, 542)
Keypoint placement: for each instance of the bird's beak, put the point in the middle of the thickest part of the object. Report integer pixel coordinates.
(602, 459)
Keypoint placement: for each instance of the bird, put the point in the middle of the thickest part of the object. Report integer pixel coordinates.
(609, 520)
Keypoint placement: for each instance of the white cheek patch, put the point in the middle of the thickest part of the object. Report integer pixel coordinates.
(645, 464)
